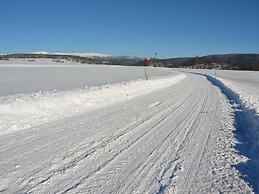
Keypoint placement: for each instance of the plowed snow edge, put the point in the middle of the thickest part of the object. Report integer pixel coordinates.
(247, 133)
(21, 112)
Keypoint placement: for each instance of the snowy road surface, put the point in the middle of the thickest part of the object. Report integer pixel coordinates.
(176, 140)
(243, 83)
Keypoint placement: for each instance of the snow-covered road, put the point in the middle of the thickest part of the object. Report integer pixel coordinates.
(178, 140)
(244, 83)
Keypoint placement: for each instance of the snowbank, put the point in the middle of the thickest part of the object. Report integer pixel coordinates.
(23, 111)
(243, 83)
(248, 97)
(247, 126)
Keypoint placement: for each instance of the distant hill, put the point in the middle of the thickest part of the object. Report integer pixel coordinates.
(87, 58)
(173, 61)
(226, 61)
(74, 54)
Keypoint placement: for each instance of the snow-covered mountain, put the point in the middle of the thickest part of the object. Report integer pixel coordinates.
(85, 58)
(91, 58)
(74, 54)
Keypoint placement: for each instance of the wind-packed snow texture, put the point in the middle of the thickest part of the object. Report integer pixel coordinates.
(177, 136)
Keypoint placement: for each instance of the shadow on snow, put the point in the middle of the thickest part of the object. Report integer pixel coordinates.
(247, 134)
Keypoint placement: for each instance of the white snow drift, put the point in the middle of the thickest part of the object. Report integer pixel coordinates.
(249, 97)
(24, 111)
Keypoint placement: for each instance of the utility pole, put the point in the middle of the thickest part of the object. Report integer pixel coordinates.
(155, 59)
(146, 63)
(223, 61)
(197, 57)
(145, 70)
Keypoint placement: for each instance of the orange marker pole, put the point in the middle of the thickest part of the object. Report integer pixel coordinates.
(145, 70)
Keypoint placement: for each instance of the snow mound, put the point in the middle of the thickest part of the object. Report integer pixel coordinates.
(25, 111)
(249, 99)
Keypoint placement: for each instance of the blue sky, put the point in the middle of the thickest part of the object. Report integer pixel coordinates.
(130, 27)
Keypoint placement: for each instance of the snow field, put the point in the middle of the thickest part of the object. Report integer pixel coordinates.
(23, 77)
(24, 111)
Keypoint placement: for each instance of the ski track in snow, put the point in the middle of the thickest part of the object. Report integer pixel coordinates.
(25, 111)
(244, 83)
(242, 89)
(179, 139)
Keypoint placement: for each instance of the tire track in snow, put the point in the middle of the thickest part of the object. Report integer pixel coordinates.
(62, 169)
(205, 122)
(172, 136)
(139, 138)
(168, 148)
(190, 97)
(143, 158)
